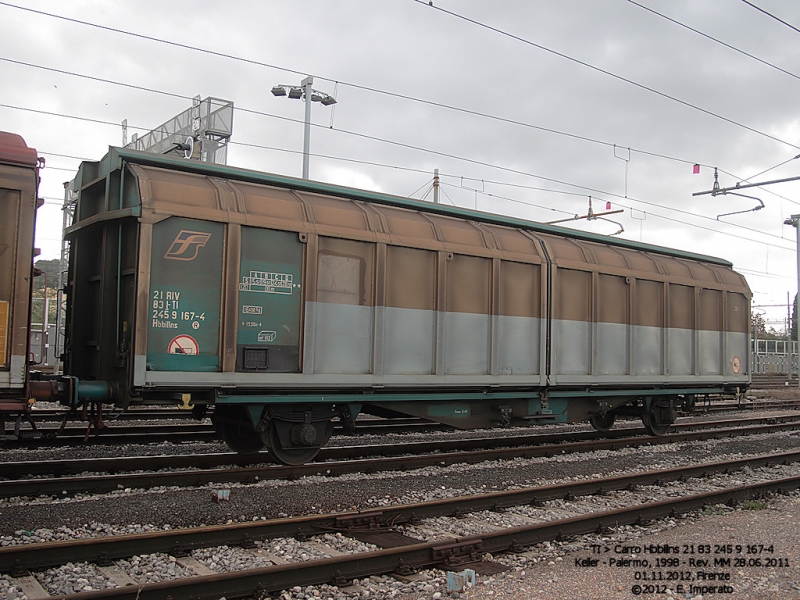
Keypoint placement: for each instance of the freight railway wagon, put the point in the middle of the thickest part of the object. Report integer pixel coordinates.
(287, 304)
(19, 179)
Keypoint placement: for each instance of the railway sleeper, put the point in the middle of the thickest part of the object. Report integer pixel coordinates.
(30, 586)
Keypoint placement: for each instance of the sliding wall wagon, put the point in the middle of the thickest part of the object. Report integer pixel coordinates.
(287, 303)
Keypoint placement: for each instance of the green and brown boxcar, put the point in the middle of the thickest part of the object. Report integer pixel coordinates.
(19, 180)
(287, 303)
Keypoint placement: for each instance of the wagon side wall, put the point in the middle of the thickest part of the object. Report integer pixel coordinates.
(239, 284)
(624, 315)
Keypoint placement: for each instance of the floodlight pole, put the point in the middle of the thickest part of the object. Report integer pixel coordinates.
(794, 221)
(306, 83)
(305, 92)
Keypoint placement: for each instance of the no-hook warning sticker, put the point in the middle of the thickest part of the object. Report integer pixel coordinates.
(183, 344)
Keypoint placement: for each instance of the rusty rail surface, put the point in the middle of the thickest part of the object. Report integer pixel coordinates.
(402, 558)
(338, 461)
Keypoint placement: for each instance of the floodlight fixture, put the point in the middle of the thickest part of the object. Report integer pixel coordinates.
(279, 90)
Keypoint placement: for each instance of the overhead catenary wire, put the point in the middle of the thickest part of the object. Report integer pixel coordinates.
(713, 39)
(766, 190)
(606, 72)
(765, 274)
(780, 164)
(52, 168)
(261, 63)
(348, 132)
(455, 157)
(342, 131)
(63, 156)
(66, 116)
(769, 14)
(595, 190)
(665, 218)
(329, 157)
(461, 158)
(617, 199)
(93, 78)
(377, 91)
(530, 187)
(241, 109)
(514, 200)
(395, 94)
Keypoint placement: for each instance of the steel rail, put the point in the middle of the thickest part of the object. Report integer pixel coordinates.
(268, 579)
(61, 467)
(112, 433)
(191, 432)
(173, 414)
(182, 540)
(198, 478)
(745, 406)
(135, 414)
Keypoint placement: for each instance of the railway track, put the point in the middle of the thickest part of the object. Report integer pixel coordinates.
(745, 405)
(390, 535)
(772, 382)
(44, 415)
(114, 432)
(180, 433)
(56, 415)
(50, 477)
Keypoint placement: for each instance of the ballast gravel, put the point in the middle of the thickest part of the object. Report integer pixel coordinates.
(224, 559)
(549, 571)
(73, 578)
(152, 568)
(545, 571)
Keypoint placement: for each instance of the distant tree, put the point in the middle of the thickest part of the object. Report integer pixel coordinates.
(775, 334)
(51, 268)
(758, 325)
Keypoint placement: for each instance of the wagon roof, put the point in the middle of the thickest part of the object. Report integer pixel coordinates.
(14, 150)
(117, 156)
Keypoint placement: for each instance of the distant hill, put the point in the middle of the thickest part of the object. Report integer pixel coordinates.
(51, 267)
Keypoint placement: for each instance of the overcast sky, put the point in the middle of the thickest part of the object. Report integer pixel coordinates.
(518, 103)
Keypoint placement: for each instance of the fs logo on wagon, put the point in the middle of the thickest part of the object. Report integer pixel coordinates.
(187, 244)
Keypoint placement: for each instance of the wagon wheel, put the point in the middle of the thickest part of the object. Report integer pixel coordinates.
(237, 431)
(603, 422)
(301, 442)
(652, 427)
(658, 419)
